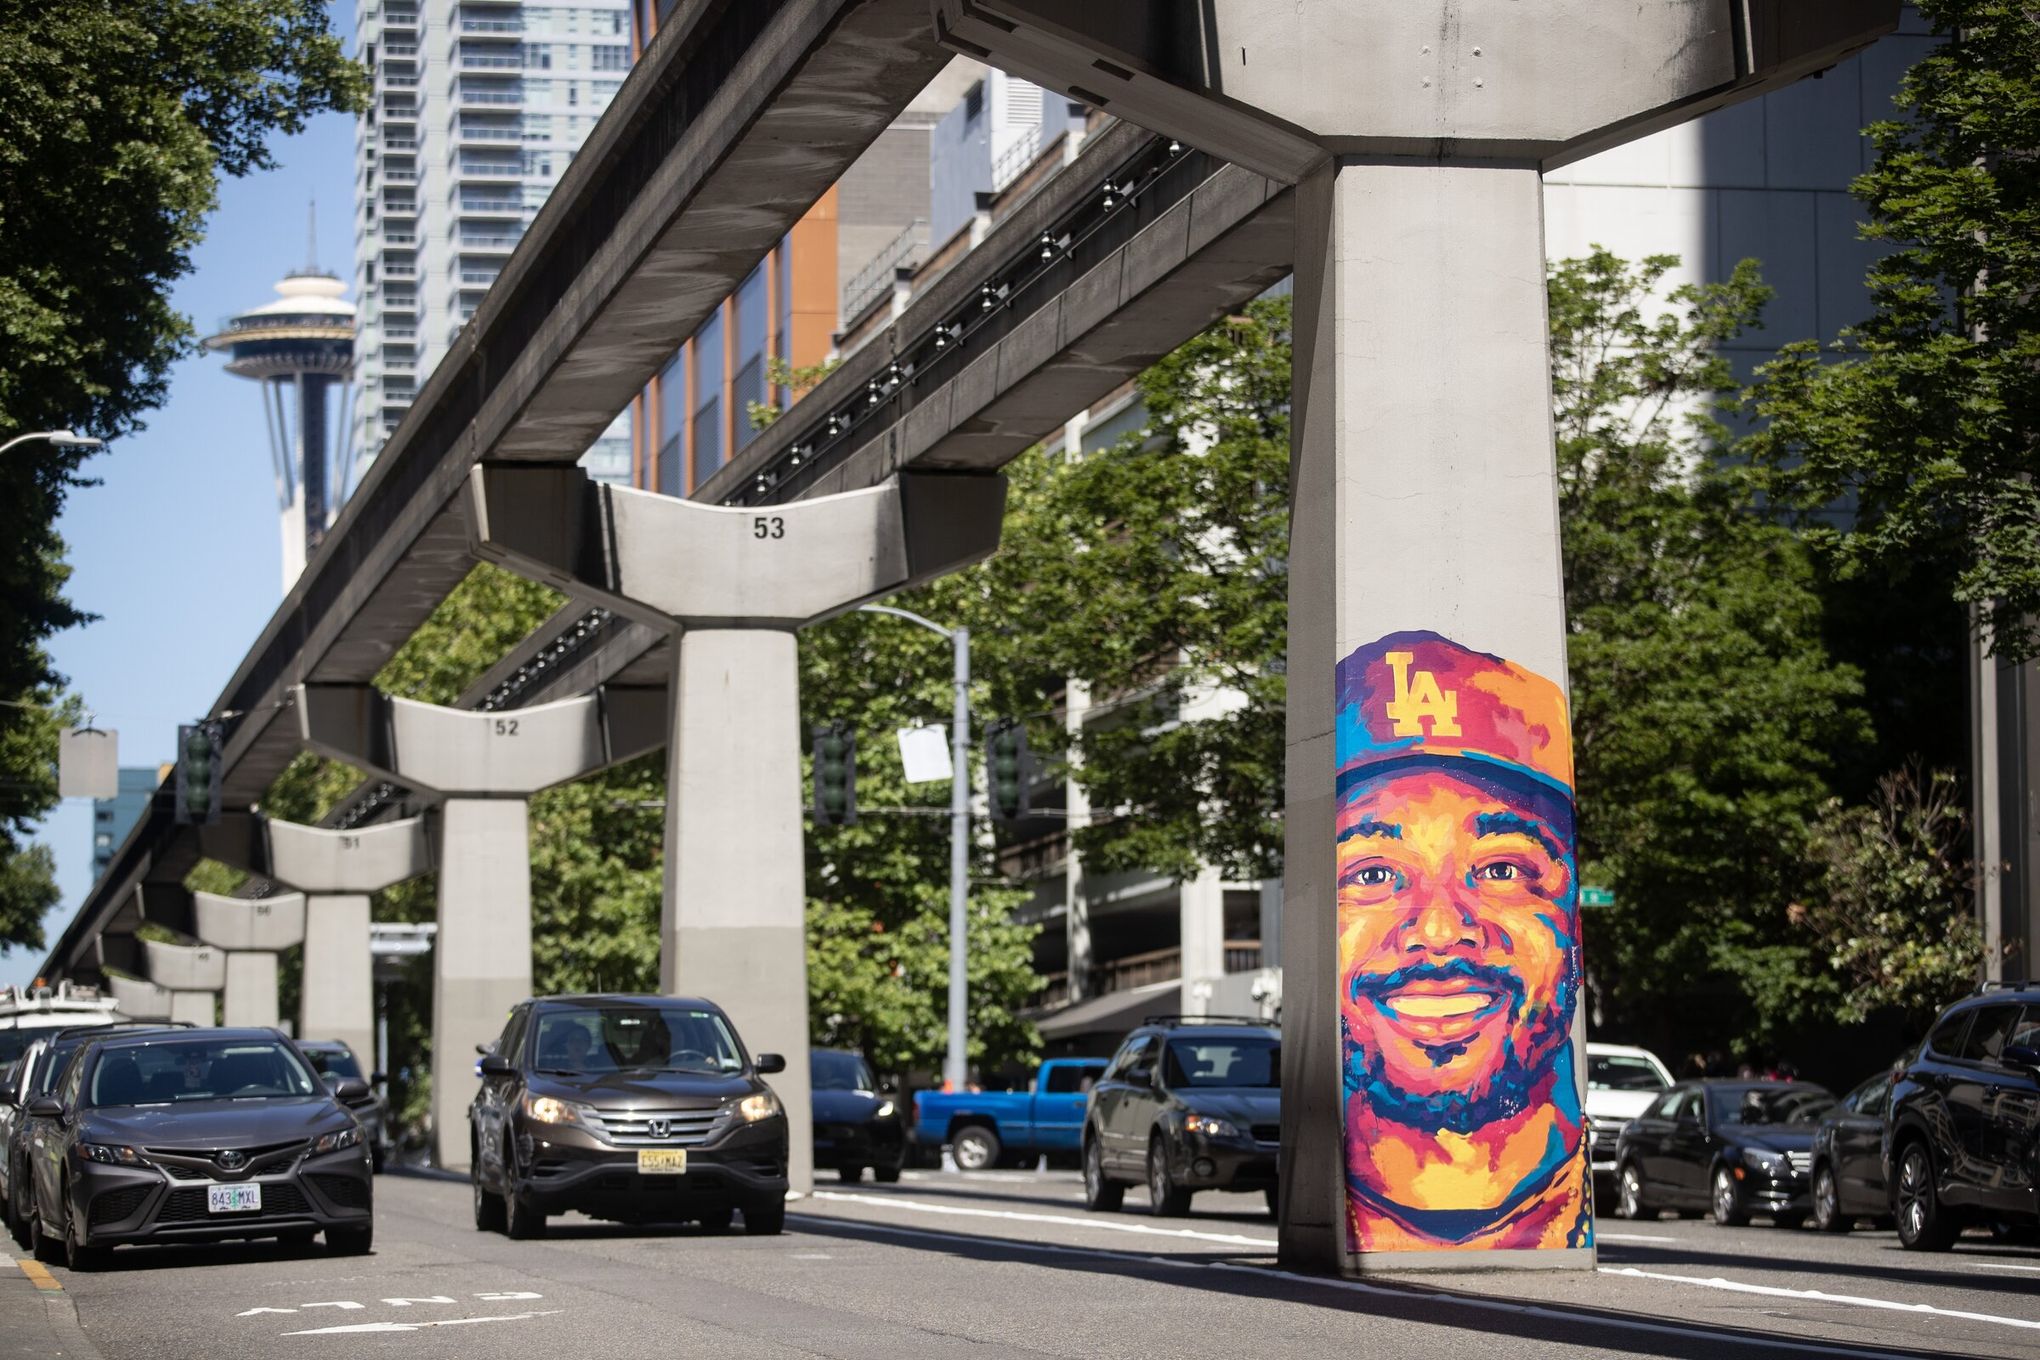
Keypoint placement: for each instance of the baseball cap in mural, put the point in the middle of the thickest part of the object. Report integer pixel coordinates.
(1421, 699)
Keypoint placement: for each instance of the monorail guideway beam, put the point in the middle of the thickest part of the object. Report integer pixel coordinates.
(736, 584)
(1430, 918)
(485, 766)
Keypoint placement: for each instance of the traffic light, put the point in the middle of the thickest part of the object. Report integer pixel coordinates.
(1009, 770)
(200, 746)
(835, 752)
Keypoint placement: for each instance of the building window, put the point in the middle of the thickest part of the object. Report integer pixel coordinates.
(708, 411)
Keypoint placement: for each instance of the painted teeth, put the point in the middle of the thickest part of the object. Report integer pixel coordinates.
(1440, 1007)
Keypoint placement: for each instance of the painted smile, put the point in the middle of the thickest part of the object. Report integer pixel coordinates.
(1419, 1002)
(1434, 1004)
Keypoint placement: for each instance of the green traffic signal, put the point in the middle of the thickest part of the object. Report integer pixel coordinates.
(835, 761)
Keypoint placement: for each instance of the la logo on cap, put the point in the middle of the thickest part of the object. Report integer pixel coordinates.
(1414, 702)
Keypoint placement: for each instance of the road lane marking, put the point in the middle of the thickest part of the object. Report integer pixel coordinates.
(1821, 1296)
(1990, 1265)
(1011, 1216)
(1619, 1238)
(39, 1275)
(419, 1326)
(1586, 1319)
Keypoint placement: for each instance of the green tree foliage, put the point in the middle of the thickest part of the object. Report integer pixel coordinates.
(1891, 907)
(1706, 708)
(116, 120)
(1925, 419)
(878, 891)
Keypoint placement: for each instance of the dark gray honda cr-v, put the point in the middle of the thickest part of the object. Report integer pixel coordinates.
(639, 1109)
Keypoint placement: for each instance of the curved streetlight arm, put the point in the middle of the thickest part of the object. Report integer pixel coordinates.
(909, 615)
(63, 439)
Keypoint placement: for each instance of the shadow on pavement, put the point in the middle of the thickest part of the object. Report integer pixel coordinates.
(195, 1255)
(1074, 1203)
(1649, 1257)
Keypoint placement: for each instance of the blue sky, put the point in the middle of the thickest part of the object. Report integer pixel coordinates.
(179, 550)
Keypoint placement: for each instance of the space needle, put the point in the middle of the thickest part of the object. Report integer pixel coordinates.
(300, 347)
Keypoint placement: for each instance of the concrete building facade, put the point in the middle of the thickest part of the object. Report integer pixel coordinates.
(113, 818)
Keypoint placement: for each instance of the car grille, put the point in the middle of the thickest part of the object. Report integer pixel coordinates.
(347, 1192)
(115, 1205)
(279, 1200)
(633, 1128)
(202, 1164)
(1800, 1162)
(1267, 1133)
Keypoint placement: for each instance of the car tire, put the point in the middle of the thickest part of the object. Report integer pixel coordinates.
(975, 1147)
(1166, 1199)
(889, 1174)
(1727, 1199)
(849, 1175)
(44, 1247)
(1273, 1194)
(77, 1254)
(377, 1159)
(1632, 1200)
(1827, 1202)
(351, 1241)
(1923, 1223)
(520, 1219)
(765, 1218)
(19, 1190)
(489, 1212)
(1100, 1195)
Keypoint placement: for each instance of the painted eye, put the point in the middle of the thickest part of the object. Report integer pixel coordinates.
(1375, 876)
(1499, 873)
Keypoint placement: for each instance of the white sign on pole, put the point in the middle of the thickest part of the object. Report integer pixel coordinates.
(925, 753)
(88, 763)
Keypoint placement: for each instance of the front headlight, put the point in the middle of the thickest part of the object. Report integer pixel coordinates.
(333, 1142)
(763, 1105)
(1209, 1126)
(550, 1110)
(885, 1110)
(1773, 1164)
(111, 1155)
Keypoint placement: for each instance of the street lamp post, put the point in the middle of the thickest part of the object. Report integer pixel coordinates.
(955, 1063)
(63, 439)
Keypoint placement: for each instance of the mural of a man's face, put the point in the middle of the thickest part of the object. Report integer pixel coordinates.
(1456, 942)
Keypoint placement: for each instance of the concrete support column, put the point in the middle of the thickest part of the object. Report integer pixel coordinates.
(251, 931)
(481, 961)
(195, 1008)
(732, 926)
(1076, 892)
(1200, 936)
(1428, 737)
(250, 995)
(338, 990)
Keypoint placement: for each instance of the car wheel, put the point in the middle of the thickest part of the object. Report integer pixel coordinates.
(1100, 1195)
(1166, 1199)
(46, 1248)
(765, 1218)
(849, 1175)
(77, 1255)
(350, 1241)
(520, 1219)
(489, 1214)
(1630, 1200)
(1923, 1225)
(889, 1174)
(1729, 1211)
(1273, 1194)
(718, 1220)
(975, 1147)
(1827, 1202)
(377, 1159)
(18, 1190)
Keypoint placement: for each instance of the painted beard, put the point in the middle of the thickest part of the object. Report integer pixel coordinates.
(1526, 1058)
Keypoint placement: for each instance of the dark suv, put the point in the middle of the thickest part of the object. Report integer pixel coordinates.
(637, 1109)
(1188, 1104)
(1962, 1132)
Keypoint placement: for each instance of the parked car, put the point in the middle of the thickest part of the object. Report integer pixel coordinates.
(1622, 1083)
(183, 1135)
(981, 1127)
(1961, 1140)
(858, 1125)
(1187, 1104)
(637, 1109)
(1848, 1161)
(32, 1075)
(1736, 1148)
(335, 1062)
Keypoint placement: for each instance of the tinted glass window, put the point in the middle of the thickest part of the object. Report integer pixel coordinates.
(1872, 1096)
(840, 1072)
(1224, 1062)
(2026, 1034)
(198, 1069)
(1070, 1079)
(1123, 1059)
(12, 1041)
(1688, 1107)
(49, 1069)
(1987, 1035)
(333, 1062)
(1664, 1105)
(634, 1037)
(1611, 1072)
(1947, 1036)
(1774, 1105)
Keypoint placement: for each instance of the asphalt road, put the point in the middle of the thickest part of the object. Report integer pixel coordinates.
(1008, 1264)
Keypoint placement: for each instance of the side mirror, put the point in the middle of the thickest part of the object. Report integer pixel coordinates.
(46, 1107)
(8, 1095)
(495, 1065)
(769, 1063)
(485, 1049)
(349, 1089)
(2018, 1055)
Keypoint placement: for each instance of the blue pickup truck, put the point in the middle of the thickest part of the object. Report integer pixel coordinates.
(983, 1126)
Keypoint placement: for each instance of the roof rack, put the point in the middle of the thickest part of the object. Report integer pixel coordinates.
(1255, 1021)
(2005, 985)
(121, 1026)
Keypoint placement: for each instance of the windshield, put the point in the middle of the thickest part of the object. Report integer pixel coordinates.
(12, 1042)
(1224, 1062)
(634, 1037)
(1610, 1073)
(333, 1062)
(840, 1072)
(1787, 1105)
(198, 1069)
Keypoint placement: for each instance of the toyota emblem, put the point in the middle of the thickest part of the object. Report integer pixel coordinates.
(233, 1159)
(660, 1128)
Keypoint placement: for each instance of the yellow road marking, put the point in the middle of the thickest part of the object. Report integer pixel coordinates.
(39, 1275)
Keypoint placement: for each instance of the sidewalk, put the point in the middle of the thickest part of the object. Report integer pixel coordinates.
(36, 1316)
